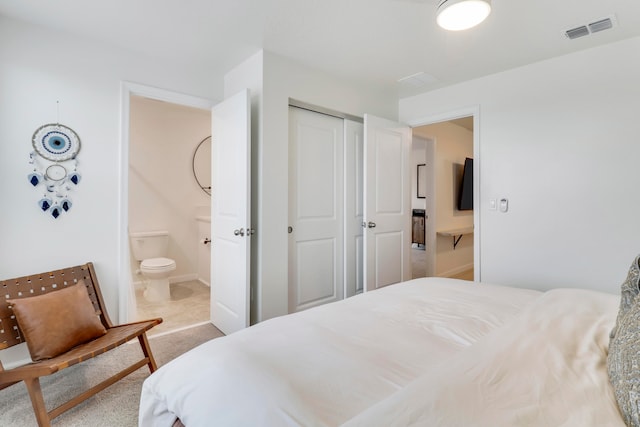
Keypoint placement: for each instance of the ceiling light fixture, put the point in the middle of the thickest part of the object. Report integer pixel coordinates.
(456, 15)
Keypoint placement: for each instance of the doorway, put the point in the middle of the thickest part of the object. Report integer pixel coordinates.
(450, 248)
(160, 132)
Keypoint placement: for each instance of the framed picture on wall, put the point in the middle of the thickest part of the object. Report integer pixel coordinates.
(422, 181)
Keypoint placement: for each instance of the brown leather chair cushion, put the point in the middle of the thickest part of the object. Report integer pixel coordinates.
(55, 322)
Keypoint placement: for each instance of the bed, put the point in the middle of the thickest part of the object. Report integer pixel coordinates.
(426, 352)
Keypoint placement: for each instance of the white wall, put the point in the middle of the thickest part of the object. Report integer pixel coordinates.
(163, 193)
(277, 79)
(37, 68)
(559, 140)
(285, 79)
(418, 157)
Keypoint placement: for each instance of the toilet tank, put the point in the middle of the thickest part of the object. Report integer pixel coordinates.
(149, 244)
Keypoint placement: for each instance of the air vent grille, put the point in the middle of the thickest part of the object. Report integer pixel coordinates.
(603, 24)
(574, 33)
(594, 27)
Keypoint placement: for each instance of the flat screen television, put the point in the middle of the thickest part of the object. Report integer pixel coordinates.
(465, 195)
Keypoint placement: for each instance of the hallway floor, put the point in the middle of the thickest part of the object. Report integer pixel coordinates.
(419, 269)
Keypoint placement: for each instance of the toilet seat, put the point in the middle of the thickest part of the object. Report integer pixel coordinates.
(157, 264)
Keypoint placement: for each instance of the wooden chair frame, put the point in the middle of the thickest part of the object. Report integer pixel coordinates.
(11, 335)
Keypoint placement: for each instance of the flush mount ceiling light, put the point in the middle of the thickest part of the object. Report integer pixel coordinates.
(456, 15)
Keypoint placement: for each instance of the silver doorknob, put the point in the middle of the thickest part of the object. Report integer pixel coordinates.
(238, 232)
(371, 224)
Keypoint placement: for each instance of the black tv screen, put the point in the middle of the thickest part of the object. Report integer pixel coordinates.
(465, 199)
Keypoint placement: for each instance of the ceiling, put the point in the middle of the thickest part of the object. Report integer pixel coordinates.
(373, 42)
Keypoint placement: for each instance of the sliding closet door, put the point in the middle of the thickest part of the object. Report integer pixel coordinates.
(387, 195)
(316, 209)
(353, 207)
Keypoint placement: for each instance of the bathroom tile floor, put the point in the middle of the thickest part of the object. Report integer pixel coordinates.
(189, 305)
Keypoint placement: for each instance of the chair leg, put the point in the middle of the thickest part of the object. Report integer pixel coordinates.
(35, 392)
(146, 349)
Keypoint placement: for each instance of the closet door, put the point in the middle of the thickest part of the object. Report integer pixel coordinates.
(353, 207)
(316, 209)
(387, 202)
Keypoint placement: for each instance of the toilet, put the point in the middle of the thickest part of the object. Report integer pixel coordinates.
(150, 249)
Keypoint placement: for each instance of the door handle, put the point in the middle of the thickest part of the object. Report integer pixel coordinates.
(238, 232)
(371, 224)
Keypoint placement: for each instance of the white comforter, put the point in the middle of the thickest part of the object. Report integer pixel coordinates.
(547, 367)
(424, 352)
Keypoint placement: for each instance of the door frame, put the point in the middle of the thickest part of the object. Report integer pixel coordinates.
(473, 111)
(126, 295)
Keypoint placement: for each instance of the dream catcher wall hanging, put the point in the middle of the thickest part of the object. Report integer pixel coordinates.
(55, 167)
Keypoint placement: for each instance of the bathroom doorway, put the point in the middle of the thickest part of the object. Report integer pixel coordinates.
(163, 194)
(451, 236)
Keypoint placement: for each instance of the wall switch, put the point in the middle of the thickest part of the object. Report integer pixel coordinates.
(504, 205)
(493, 205)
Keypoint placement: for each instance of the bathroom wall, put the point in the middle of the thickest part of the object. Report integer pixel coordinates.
(163, 193)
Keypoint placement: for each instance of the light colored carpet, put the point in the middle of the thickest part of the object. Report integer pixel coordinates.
(116, 406)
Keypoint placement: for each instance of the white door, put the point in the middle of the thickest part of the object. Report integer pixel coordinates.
(353, 207)
(230, 212)
(316, 210)
(387, 205)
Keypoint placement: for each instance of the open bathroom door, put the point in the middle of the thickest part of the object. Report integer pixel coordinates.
(230, 212)
(387, 202)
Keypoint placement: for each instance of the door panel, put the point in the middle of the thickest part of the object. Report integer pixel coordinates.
(389, 170)
(318, 258)
(388, 261)
(230, 213)
(387, 202)
(354, 210)
(315, 209)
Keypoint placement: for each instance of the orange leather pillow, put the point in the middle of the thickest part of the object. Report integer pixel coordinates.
(57, 321)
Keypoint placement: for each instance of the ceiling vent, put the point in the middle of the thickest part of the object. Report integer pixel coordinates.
(594, 27)
(601, 25)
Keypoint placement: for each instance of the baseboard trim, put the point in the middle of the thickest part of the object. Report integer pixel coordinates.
(183, 278)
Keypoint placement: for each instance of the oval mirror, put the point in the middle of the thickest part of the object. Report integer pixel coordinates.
(202, 165)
